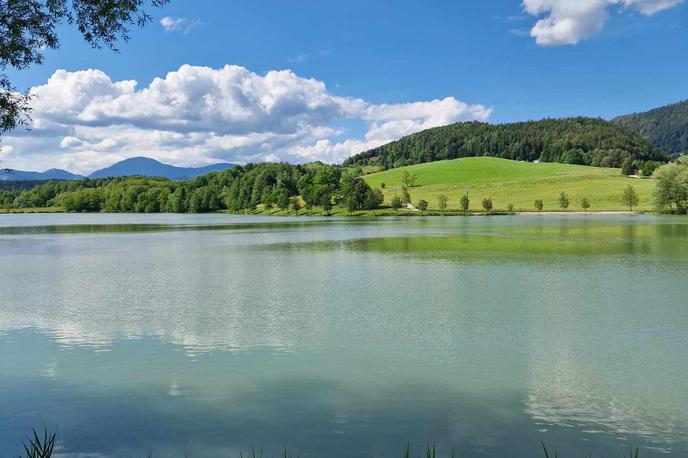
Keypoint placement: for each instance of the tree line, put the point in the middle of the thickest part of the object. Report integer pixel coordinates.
(629, 197)
(583, 141)
(274, 186)
(284, 187)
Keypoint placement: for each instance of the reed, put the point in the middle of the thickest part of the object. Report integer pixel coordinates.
(43, 446)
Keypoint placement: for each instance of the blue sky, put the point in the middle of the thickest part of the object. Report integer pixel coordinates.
(585, 57)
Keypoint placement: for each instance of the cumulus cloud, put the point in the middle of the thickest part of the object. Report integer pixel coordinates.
(567, 22)
(179, 24)
(6, 150)
(196, 115)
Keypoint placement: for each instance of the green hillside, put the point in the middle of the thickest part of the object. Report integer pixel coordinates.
(665, 127)
(582, 141)
(518, 183)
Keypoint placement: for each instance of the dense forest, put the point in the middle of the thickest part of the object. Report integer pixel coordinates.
(275, 186)
(583, 141)
(20, 185)
(665, 127)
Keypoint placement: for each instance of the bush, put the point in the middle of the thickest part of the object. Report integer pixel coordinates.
(422, 206)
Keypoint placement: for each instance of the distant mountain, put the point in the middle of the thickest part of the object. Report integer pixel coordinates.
(665, 127)
(52, 174)
(584, 141)
(145, 166)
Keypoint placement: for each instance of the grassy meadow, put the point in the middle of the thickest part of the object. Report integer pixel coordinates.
(518, 183)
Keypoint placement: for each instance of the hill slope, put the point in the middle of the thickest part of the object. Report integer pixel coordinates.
(665, 127)
(583, 141)
(518, 183)
(145, 166)
(52, 174)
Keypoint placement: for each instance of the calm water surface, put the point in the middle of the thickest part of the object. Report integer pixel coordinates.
(131, 334)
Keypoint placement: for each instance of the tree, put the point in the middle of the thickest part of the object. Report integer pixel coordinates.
(585, 204)
(374, 199)
(628, 167)
(464, 203)
(405, 196)
(443, 200)
(30, 26)
(487, 204)
(382, 185)
(268, 199)
(409, 179)
(295, 204)
(356, 195)
(422, 206)
(630, 197)
(671, 189)
(510, 208)
(396, 203)
(283, 200)
(326, 203)
(175, 204)
(647, 168)
(539, 205)
(564, 201)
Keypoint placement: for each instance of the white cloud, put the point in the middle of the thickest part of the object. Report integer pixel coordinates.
(6, 150)
(69, 142)
(196, 115)
(567, 22)
(179, 24)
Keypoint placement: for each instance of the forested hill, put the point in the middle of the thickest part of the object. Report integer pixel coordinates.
(584, 141)
(665, 127)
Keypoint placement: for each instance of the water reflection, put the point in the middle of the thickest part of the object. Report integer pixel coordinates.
(483, 333)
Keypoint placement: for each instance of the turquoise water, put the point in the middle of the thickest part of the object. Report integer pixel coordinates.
(174, 334)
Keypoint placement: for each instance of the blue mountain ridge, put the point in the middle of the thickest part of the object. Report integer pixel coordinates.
(142, 166)
(52, 174)
(145, 166)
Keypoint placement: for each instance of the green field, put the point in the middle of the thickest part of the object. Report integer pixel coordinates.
(512, 182)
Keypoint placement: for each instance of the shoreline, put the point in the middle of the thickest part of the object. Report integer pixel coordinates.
(363, 213)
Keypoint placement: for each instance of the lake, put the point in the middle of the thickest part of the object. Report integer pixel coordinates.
(210, 334)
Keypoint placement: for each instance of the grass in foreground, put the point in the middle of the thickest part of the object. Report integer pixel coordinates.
(43, 446)
(513, 182)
